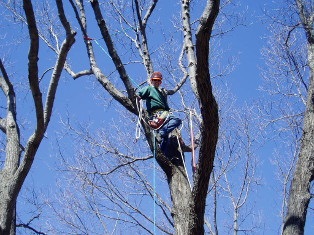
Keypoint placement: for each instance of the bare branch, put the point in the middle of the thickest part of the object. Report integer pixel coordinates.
(30, 228)
(33, 66)
(65, 48)
(3, 123)
(111, 49)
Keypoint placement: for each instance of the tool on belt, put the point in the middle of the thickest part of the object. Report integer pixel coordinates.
(158, 118)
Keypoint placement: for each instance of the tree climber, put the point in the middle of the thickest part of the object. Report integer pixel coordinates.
(158, 109)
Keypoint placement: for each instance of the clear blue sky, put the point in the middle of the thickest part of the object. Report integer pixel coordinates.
(80, 100)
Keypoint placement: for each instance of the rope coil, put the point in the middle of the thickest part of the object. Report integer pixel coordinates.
(139, 105)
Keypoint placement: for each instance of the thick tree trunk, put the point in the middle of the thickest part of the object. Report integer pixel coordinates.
(16, 168)
(7, 207)
(181, 196)
(8, 193)
(179, 185)
(300, 196)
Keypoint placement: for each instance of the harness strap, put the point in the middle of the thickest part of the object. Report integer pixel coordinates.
(164, 117)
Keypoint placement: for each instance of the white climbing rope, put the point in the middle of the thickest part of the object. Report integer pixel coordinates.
(181, 153)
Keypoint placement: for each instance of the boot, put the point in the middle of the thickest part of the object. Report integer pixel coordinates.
(184, 147)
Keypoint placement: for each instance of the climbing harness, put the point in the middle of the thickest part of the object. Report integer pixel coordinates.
(154, 118)
(158, 119)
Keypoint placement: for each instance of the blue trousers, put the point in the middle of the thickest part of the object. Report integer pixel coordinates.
(171, 124)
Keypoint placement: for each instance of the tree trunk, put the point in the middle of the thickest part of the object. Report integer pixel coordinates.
(8, 193)
(181, 196)
(300, 196)
(235, 222)
(179, 185)
(16, 168)
(7, 206)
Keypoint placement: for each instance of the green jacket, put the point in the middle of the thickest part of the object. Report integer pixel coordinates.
(155, 98)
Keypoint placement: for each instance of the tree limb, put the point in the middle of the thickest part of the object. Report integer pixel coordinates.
(209, 112)
(111, 49)
(102, 79)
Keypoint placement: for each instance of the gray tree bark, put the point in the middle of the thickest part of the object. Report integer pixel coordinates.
(300, 195)
(19, 160)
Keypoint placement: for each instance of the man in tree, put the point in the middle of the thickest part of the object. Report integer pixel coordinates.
(159, 116)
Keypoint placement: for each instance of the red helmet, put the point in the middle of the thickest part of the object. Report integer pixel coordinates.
(156, 75)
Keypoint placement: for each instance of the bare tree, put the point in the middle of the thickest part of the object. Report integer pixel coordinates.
(188, 206)
(292, 57)
(18, 158)
(235, 181)
(33, 207)
(239, 193)
(300, 194)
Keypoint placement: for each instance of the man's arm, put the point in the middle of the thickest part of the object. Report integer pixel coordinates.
(143, 93)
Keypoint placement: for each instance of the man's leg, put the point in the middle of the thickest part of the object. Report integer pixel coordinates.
(171, 124)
